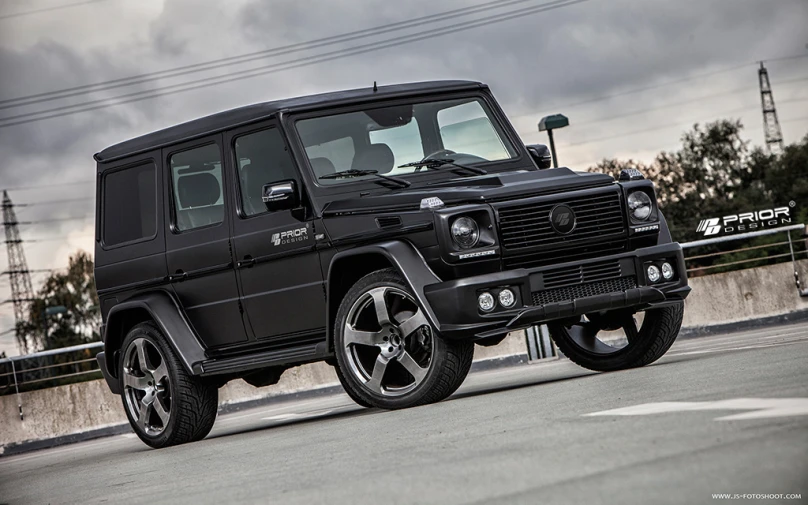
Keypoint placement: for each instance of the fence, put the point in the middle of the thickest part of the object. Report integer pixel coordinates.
(793, 254)
(50, 368)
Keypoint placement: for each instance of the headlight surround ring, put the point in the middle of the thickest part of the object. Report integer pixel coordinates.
(640, 206)
(465, 232)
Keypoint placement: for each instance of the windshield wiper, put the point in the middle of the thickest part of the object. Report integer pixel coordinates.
(359, 173)
(435, 164)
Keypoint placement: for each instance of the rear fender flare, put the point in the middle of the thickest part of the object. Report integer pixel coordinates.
(166, 314)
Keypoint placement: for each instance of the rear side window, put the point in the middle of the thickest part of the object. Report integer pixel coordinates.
(130, 205)
(196, 175)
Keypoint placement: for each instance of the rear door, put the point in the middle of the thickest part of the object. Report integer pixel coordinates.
(278, 266)
(198, 248)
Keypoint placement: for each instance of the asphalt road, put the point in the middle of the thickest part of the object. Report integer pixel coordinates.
(516, 435)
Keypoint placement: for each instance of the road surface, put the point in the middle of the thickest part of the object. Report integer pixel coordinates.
(721, 414)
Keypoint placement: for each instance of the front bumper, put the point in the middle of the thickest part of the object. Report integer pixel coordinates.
(557, 292)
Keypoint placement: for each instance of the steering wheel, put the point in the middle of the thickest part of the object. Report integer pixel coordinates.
(436, 153)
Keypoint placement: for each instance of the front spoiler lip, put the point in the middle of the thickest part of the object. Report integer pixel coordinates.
(559, 310)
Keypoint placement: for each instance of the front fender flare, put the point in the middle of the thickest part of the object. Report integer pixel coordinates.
(406, 259)
(166, 314)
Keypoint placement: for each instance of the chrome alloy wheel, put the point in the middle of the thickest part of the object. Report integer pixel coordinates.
(389, 342)
(146, 386)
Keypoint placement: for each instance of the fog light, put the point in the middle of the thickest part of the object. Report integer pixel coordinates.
(506, 298)
(653, 273)
(667, 271)
(486, 302)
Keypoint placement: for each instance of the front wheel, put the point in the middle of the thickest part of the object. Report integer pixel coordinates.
(388, 354)
(165, 405)
(611, 341)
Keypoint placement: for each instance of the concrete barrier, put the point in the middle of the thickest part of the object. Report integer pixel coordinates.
(744, 295)
(63, 412)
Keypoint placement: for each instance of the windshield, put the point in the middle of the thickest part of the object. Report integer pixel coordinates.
(383, 139)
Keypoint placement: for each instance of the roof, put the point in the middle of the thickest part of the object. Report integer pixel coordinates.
(249, 113)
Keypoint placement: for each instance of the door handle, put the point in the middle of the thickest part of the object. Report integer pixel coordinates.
(247, 262)
(178, 276)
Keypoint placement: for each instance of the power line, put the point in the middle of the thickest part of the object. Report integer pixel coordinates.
(256, 55)
(49, 9)
(26, 188)
(286, 65)
(661, 127)
(50, 202)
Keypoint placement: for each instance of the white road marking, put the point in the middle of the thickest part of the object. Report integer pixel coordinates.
(293, 415)
(761, 408)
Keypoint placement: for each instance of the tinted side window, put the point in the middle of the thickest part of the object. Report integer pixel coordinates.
(130, 204)
(196, 176)
(262, 159)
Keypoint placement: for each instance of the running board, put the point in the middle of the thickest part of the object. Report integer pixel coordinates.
(303, 353)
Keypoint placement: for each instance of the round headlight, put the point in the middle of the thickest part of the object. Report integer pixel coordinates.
(486, 302)
(507, 298)
(667, 271)
(639, 205)
(653, 273)
(465, 232)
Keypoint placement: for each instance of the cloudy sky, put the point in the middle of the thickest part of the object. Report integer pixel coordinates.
(587, 60)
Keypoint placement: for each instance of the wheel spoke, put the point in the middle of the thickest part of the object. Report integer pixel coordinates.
(133, 381)
(414, 368)
(353, 336)
(413, 323)
(375, 382)
(161, 372)
(630, 327)
(380, 305)
(160, 410)
(143, 415)
(141, 355)
(585, 334)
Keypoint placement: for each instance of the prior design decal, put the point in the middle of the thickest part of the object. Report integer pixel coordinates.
(291, 236)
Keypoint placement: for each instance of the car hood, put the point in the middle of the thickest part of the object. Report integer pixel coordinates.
(477, 189)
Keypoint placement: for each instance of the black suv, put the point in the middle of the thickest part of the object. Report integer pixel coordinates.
(383, 230)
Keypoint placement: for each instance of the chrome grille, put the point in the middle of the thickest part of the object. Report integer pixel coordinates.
(583, 290)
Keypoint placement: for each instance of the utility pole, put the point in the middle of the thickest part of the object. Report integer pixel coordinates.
(21, 292)
(771, 126)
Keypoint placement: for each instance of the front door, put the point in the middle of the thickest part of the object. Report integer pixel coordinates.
(198, 252)
(278, 266)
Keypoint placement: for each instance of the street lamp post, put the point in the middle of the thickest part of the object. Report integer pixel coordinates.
(550, 123)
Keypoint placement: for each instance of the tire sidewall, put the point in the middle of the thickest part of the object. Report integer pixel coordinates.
(383, 278)
(150, 333)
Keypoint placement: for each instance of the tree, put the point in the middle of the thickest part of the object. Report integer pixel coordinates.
(73, 289)
(715, 174)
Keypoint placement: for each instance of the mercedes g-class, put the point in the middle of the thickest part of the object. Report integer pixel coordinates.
(385, 231)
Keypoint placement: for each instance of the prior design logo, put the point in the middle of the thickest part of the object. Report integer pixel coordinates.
(562, 219)
(290, 236)
(746, 221)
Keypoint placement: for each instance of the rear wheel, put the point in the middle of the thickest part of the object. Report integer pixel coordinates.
(165, 405)
(615, 341)
(388, 354)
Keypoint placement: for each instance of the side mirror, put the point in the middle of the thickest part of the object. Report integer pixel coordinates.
(541, 155)
(280, 195)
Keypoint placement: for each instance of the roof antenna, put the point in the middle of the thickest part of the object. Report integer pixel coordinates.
(375, 88)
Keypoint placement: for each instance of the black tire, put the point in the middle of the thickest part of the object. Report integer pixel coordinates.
(656, 335)
(449, 365)
(193, 402)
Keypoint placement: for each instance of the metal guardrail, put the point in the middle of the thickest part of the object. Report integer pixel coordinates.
(47, 367)
(750, 235)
